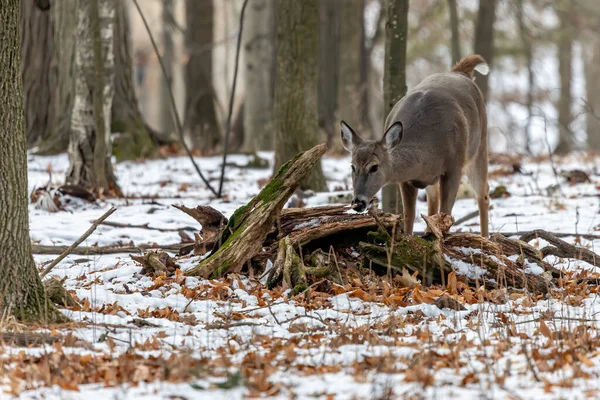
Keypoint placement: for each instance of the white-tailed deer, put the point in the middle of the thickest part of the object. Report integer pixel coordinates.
(433, 134)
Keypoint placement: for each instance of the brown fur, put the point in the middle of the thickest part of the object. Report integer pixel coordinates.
(433, 135)
(467, 65)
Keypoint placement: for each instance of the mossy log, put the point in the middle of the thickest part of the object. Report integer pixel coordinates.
(249, 225)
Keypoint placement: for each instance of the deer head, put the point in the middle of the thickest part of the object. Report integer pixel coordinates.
(371, 161)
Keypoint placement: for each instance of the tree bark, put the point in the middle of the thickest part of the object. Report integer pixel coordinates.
(89, 147)
(259, 48)
(135, 137)
(295, 111)
(329, 54)
(167, 123)
(394, 80)
(350, 80)
(200, 115)
(484, 39)
(592, 87)
(455, 38)
(38, 71)
(565, 72)
(21, 290)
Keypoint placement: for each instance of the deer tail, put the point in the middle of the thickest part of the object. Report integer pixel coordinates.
(471, 63)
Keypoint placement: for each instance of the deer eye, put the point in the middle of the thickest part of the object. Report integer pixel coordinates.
(374, 168)
(353, 168)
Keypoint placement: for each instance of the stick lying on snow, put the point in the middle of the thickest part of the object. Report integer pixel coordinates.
(78, 241)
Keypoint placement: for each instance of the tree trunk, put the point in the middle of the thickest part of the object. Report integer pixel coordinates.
(455, 41)
(394, 80)
(484, 39)
(167, 123)
(259, 47)
(528, 52)
(135, 139)
(21, 290)
(329, 35)
(592, 86)
(38, 71)
(89, 148)
(64, 15)
(200, 115)
(295, 111)
(350, 80)
(565, 72)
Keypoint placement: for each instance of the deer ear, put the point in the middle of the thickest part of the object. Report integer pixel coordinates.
(393, 135)
(350, 139)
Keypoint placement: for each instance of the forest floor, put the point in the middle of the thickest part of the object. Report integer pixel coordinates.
(183, 338)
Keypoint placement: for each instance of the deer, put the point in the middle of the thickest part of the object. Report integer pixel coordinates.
(437, 131)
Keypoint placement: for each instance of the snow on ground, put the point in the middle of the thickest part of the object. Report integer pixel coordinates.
(374, 341)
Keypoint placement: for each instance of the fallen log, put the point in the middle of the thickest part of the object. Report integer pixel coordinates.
(249, 225)
(561, 248)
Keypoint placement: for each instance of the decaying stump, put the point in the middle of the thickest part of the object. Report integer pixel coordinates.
(249, 225)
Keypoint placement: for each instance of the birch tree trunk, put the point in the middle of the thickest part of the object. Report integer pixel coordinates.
(200, 121)
(329, 70)
(484, 39)
(259, 48)
(38, 70)
(295, 111)
(394, 81)
(350, 79)
(565, 72)
(89, 147)
(135, 137)
(21, 292)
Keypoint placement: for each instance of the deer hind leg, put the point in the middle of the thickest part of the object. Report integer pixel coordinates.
(409, 203)
(478, 177)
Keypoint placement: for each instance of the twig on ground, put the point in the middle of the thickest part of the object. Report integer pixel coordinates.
(176, 118)
(99, 250)
(233, 86)
(147, 226)
(70, 249)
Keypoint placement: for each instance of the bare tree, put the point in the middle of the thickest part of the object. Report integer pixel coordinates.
(200, 114)
(394, 79)
(295, 108)
(64, 17)
(38, 71)
(565, 71)
(328, 62)
(454, 23)
(135, 137)
(526, 41)
(351, 48)
(592, 86)
(484, 39)
(259, 50)
(167, 124)
(89, 147)
(21, 291)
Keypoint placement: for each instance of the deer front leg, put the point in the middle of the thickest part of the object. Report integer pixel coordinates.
(448, 189)
(433, 201)
(409, 204)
